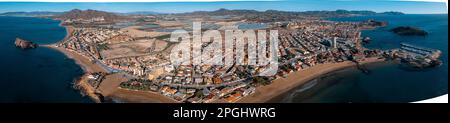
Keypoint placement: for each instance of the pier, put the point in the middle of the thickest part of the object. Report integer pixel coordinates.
(418, 57)
(416, 49)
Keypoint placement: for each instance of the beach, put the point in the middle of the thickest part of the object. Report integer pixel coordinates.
(87, 65)
(282, 85)
(40, 75)
(132, 96)
(110, 86)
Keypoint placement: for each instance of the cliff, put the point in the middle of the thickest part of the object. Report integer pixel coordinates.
(24, 44)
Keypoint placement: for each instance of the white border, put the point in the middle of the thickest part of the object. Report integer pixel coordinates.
(441, 99)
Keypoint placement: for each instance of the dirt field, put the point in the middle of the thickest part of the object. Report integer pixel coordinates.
(134, 48)
(134, 31)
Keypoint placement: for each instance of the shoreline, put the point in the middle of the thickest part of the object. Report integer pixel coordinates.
(112, 91)
(262, 94)
(80, 82)
(95, 94)
(134, 96)
(317, 84)
(278, 87)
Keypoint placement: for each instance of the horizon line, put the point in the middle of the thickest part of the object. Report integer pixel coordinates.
(109, 1)
(219, 9)
(193, 2)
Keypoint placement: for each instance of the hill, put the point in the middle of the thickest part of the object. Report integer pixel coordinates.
(89, 14)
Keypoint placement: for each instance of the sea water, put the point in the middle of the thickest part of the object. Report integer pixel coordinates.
(35, 75)
(387, 82)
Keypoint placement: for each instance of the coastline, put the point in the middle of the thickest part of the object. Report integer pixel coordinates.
(281, 86)
(84, 63)
(88, 67)
(262, 93)
(126, 95)
(109, 87)
(80, 83)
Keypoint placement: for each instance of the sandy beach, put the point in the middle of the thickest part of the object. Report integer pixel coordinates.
(87, 65)
(131, 96)
(109, 87)
(84, 62)
(295, 79)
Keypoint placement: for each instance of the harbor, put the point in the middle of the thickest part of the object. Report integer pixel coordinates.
(416, 56)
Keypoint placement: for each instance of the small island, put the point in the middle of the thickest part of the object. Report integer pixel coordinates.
(409, 31)
(23, 44)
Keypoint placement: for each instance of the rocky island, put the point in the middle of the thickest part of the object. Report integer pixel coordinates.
(409, 31)
(21, 43)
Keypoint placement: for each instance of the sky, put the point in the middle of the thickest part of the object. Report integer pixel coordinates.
(405, 6)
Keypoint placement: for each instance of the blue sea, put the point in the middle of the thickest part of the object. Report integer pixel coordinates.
(35, 75)
(386, 82)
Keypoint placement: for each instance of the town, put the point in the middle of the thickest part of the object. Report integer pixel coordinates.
(139, 47)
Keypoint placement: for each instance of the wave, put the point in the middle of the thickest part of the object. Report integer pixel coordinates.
(301, 89)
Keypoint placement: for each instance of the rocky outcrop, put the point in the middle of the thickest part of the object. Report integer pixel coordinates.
(20, 43)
